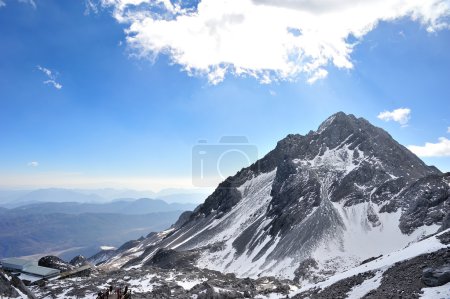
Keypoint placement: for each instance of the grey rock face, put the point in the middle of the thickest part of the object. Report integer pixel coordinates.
(434, 277)
(303, 272)
(171, 259)
(6, 289)
(101, 256)
(78, 261)
(426, 202)
(444, 238)
(54, 262)
(10, 287)
(19, 285)
(184, 217)
(129, 244)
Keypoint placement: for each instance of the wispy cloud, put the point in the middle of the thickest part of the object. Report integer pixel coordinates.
(31, 2)
(33, 164)
(401, 115)
(51, 75)
(90, 7)
(270, 40)
(2, 3)
(439, 149)
(448, 130)
(317, 75)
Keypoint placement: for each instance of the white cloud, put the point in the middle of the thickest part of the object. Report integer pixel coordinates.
(401, 115)
(448, 130)
(31, 2)
(439, 149)
(54, 83)
(317, 75)
(33, 164)
(266, 39)
(90, 6)
(2, 3)
(51, 77)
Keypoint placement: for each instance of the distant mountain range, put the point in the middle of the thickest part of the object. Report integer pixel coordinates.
(16, 198)
(128, 207)
(81, 228)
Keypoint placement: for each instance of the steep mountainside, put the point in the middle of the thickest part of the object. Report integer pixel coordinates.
(316, 205)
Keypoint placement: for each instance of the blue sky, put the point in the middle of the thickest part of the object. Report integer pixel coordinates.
(82, 105)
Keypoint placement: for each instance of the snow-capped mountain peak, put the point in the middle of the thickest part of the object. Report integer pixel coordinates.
(313, 206)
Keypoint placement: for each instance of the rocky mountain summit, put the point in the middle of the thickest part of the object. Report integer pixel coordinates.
(315, 205)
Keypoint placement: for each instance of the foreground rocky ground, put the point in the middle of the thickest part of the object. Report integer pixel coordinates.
(151, 282)
(405, 279)
(171, 275)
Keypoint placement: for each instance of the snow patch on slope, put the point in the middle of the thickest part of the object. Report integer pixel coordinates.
(340, 158)
(253, 205)
(437, 292)
(142, 284)
(428, 245)
(361, 240)
(368, 285)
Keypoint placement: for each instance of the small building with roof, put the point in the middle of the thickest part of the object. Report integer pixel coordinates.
(40, 271)
(15, 264)
(28, 267)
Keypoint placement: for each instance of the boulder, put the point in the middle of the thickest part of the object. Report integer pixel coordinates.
(51, 261)
(78, 261)
(434, 277)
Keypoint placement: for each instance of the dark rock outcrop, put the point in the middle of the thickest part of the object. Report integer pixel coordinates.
(78, 261)
(128, 245)
(404, 279)
(426, 202)
(184, 217)
(6, 288)
(51, 261)
(434, 277)
(172, 259)
(370, 259)
(338, 289)
(18, 284)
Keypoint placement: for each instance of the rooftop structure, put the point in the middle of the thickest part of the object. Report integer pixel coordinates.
(41, 271)
(15, 264)
(28, 267)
